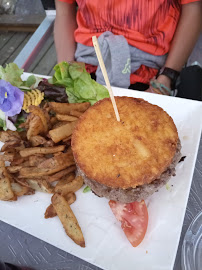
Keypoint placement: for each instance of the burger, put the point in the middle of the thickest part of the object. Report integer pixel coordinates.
(129, 160)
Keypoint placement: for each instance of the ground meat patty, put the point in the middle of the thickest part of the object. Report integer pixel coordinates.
(134, 194)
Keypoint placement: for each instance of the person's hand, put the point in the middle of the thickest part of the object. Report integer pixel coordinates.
(162, 80)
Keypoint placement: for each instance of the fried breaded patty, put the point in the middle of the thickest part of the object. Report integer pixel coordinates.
(125, 154)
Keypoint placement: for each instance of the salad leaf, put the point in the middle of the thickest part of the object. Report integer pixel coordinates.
(86, 189)
(80, 87)
(12, 74)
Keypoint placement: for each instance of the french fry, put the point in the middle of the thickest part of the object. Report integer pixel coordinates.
(39, 112)
(65, 108)
(53, 120)
(7, 157)
(59, 175)
(35, 127)
(50, 211)
(64, 187)
(48, 167)
(10, 144)
(67, 118)
(62, 132)
(41, 150)
(40, 185)
(37, 140)
(9, 135)
(6, 192)
(14, 169)
(68, 219)
(35, 160)
(21, 190)
(75, 113)
(70, 197)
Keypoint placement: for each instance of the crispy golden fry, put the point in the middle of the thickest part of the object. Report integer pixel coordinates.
(70, 197)
(9, 135)
(64, 187)
(75, 113)
(7, 157)
(40, 185)
(6, 192)
(41, 150)
(49, 166)
(22, 182)
(53, 120)
(50, 211)
(17, 160)
(66, 108)
(68, 219)
(39, 112)
(62, 132)
(11, 144)
(59, 124)
(59, 175)
(67, 139)
(37, 140)
(67, 118)
(14, 169)
(36, 160)
(67, 178)
(20, 190)
(35, 127)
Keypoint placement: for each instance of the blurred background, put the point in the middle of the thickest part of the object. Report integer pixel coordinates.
(19, 20)
(26, 35)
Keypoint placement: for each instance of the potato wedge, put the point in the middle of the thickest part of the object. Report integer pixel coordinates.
(7, 157)
(70, 197)
(68, 219)
(62, 132)
(40, 113)
(21, 190)
(65, 117)
(35, 127)
(6, 192)
(48, 167)
(59, 175)
(13, 169)
(35, 160)
(66, 108)
(64, 187)
(37, 140)
(76, 113)
(40, 185)
(50, 210)
(41, 150)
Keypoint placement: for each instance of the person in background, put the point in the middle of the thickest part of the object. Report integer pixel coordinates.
(145, 44)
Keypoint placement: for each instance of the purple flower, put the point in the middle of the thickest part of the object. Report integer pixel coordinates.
(11, 98)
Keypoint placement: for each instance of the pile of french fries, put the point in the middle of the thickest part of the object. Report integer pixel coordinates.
(40, 159)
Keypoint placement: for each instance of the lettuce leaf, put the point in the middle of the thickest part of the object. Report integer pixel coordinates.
(12, 74)
(80, 87)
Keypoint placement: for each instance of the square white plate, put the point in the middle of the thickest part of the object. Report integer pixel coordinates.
(106, 244)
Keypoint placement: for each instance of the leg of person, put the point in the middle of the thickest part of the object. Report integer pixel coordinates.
(190, 86)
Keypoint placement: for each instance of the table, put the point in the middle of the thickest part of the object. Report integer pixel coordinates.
(23, 249)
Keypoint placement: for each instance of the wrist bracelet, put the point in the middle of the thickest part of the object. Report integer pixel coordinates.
(161, 87)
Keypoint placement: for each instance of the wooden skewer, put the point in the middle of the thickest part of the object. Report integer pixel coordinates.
(104, 72)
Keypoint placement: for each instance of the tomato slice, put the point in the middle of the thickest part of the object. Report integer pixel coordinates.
(134, 219)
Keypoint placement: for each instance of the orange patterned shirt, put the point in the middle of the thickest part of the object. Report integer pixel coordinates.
(148, 25)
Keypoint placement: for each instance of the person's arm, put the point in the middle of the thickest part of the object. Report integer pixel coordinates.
(65, 25)
(185, 37)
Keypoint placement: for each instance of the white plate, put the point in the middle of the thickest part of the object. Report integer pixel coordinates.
(106, 244)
